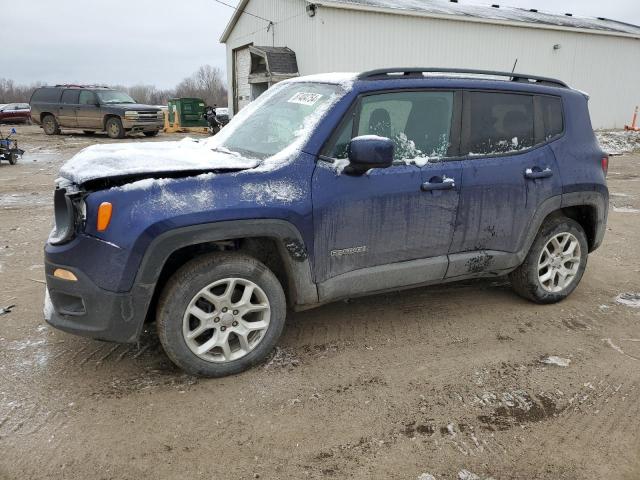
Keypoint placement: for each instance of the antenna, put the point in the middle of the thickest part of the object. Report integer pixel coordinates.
(514, 66)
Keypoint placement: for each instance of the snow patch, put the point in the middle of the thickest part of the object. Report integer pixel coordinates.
(48, 309)
(617, 142)
(109, 160)
(629, 299)
(426, 476)
(268, 192)
(554, 360)
(625, 210)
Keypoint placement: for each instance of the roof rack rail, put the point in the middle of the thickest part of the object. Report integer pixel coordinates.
(515, 77)
(73, 85)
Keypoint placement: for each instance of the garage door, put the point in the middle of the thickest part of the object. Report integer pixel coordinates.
(242, 65)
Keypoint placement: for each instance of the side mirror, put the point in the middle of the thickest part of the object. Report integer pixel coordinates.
(369, 151)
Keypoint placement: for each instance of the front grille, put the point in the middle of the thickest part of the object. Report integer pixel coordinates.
(148, 117)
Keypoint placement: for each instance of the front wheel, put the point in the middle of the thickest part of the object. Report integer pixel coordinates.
(220, 314)
(555, 263)
(114, 128)
(13, 158)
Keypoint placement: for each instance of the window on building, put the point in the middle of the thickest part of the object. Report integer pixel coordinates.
(419, 123)
(498, 123)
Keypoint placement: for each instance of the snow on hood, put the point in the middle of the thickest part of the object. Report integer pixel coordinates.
(123, 159)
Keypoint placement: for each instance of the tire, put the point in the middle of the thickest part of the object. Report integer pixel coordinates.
(151, 134)
(562, 245)
(114, 128)
(50, 125)
(13, 158)
(211, 276)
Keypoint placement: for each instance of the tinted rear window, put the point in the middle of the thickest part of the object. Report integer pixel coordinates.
(552, 116)
(46, 95)
(70, 96)
(499, 122)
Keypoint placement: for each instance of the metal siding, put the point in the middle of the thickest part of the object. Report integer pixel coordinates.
(606, 67)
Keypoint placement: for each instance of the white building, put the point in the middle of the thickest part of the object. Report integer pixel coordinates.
(268, 40)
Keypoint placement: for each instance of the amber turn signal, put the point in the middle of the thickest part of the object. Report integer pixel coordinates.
(65, 274)
(104, 216)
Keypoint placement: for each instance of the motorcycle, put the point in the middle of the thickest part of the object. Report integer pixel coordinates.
(214, 125)
(9, 148)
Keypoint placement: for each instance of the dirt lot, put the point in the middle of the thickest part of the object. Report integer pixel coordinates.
(445, 381)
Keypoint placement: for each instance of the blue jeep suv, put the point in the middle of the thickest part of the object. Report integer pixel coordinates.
(326, 187)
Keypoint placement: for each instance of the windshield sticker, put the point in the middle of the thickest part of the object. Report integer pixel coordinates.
(304, 98)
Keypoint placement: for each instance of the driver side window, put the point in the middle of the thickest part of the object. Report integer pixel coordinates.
(419, 123)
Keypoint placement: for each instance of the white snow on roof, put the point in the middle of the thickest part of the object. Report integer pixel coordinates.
(101, 161)
(338, 78)
(438, 7)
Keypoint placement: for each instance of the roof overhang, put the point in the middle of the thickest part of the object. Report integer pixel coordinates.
(459, 18)
(416, 13)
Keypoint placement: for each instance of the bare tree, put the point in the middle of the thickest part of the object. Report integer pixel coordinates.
(206, 83)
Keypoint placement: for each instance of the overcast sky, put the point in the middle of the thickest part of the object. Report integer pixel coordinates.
(159, 41)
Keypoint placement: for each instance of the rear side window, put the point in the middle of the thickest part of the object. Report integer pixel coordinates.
(497, 123)
(70, 96)
(551, 116)
(48, 95)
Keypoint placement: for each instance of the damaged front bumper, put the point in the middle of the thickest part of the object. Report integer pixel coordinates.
(83, 308)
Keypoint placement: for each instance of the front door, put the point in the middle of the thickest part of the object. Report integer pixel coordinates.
(508, 172)
(88, 113)
(389, 227)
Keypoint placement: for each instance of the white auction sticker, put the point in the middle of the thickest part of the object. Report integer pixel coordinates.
(305, 98)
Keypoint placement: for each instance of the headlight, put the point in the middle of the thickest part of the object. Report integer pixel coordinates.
(160, 114)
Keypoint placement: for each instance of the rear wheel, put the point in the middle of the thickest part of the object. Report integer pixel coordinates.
(220, 314)
(50, 125)
(114, 128)
(555, 263)
(151, 133)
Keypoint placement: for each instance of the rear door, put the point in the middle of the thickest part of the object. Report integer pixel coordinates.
(88, 111)
(509, 171)
(386, 216)
(67, 108)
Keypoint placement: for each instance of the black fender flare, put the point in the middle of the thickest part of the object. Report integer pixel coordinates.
(302, 289)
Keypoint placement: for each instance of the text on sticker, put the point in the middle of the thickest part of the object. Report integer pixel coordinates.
(304, 98)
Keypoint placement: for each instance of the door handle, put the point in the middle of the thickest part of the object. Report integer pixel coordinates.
(444, 184)
(537, 172)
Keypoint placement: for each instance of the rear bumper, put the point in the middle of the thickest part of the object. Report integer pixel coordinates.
(82, 308)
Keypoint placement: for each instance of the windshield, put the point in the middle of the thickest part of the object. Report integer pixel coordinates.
(285, 116)
(113, 96)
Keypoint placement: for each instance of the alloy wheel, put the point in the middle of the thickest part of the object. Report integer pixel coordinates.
(226, 320)
(559, 262)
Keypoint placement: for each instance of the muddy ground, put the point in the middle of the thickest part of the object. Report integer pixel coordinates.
(447, 381)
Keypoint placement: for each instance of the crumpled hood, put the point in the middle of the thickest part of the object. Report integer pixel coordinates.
(148, 159)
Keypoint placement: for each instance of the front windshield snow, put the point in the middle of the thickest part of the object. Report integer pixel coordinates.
(113, 96)
(287, 113)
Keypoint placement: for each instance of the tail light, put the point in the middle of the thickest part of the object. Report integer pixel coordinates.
(605, 164)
